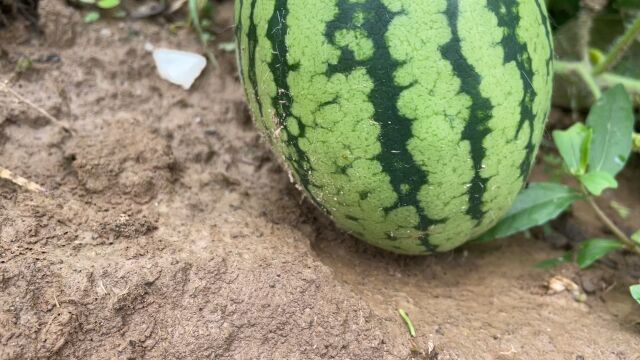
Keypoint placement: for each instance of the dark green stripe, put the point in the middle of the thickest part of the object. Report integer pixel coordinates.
(252, 36)
(547, 30)
(407, 178)
(283, 101)
(517, 52)
(240, 43)
(480, 112)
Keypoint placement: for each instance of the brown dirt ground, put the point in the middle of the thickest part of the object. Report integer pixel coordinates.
(170, 232)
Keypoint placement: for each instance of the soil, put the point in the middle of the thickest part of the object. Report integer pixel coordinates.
(169, 231)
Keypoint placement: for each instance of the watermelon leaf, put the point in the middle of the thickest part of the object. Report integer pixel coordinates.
(635, 292)
(597, 182)
(573, 145)
(611, 119)
(534, 206)
(592, 250)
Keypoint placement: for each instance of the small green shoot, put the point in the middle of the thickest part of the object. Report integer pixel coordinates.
(620, 209)
(635, 292)
(23, 65)
(91, 17)
(407, 320)
(98, 8)
(196, 9)
(108, 4)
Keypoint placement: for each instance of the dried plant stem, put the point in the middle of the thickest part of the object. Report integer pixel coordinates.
(20, 181)
(5, 87)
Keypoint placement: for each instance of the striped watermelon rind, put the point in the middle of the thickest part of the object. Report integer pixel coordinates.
(413, 123)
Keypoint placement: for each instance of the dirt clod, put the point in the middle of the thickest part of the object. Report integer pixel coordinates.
(125, 158)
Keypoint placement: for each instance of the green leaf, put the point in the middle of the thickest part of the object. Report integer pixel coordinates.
(635, 292)
(534, 206)
(627, 4)
(636, 237)
(108, 4)
(549, 263)
(597, 182)
(91, 17)
(592, 250)
(611, 119)
(573, 145)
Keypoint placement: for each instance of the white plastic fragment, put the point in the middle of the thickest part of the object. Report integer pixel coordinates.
(179, 67)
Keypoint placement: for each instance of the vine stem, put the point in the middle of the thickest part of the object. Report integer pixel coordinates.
(583, 70)
(606, 80)
(628, 243)
(619, 49)
(194, 13)
(598, 77)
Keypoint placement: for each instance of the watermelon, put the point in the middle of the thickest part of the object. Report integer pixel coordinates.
(412, 123)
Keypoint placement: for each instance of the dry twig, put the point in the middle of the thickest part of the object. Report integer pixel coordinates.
(20, 181)
(5, 87)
